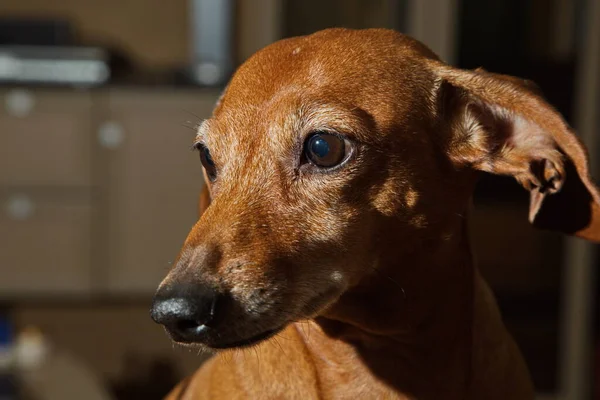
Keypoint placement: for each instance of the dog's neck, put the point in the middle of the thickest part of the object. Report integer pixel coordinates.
(410, 287)
(413, 316)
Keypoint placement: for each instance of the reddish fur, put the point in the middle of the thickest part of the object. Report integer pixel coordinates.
(375, 257)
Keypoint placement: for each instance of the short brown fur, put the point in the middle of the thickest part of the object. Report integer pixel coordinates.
(368, 268)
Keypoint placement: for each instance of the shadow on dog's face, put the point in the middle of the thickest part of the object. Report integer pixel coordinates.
(332, 155)
(308, 166)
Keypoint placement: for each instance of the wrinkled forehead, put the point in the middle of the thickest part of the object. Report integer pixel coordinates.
(284, 120)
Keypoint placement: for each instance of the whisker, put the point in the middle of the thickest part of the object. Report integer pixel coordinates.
(301, 323)
(279, 344)
(257, 359)
(193, 115)
(227, 357)
(391, 279)
(309, 330)
(190, 125)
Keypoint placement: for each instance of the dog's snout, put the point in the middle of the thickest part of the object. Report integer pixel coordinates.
(186, 314)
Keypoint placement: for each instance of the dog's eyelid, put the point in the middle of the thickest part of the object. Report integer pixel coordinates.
(350, 134)
(198, 146)
(200, 143)
(328, 131)
(343, 134)
(347, 122)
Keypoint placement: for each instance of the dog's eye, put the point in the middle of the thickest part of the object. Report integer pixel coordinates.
(207, 162)
(325, 150)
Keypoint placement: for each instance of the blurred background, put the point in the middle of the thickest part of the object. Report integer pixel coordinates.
(98, 188)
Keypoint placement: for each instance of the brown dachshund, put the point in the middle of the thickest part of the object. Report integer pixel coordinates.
(334, 257)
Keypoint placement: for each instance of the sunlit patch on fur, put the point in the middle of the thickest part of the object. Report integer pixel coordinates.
(324, 229)
(411, 197)
(387, 200)
(419, 221)
(323, 116)
(317, 74)
(337, 276)
(447, 236)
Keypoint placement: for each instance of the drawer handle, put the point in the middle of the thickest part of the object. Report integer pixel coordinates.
(19, 103)
(110, 135)
(20, 207)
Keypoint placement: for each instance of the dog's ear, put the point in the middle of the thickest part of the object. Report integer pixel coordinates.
(501, 125)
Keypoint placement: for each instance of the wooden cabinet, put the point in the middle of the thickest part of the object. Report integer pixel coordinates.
(45, 244)
(152, 181)
(45, 137)
(98, 189)
(45, 215)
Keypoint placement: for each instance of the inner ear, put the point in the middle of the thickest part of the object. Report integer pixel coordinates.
(503, 126)
(488, 138)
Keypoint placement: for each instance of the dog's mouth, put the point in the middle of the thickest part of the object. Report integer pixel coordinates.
(310, 309)
(239, 330)
(249, 341)
(206, 340)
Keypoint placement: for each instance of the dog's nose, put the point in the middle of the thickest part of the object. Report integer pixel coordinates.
(185, 313)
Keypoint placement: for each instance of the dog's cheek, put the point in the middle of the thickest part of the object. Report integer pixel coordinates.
(324, 229)
(256, 298)
(328, 219)
(339, 237)
(314, 288)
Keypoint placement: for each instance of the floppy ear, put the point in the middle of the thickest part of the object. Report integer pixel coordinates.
(501, 125)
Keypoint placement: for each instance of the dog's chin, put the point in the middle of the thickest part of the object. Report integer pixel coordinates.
(217, 342)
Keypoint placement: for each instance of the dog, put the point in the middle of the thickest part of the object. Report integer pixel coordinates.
(332, 257)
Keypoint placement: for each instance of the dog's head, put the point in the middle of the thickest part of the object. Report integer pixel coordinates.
(331, 154)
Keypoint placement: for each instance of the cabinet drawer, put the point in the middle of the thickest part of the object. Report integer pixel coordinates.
(45, 137)
(153, 182)
(45, 245)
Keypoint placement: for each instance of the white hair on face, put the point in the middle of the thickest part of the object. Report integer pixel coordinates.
(203, 128)
(336, 276)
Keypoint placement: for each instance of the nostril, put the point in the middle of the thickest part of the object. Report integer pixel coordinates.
(188, 326)
(187, 317)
